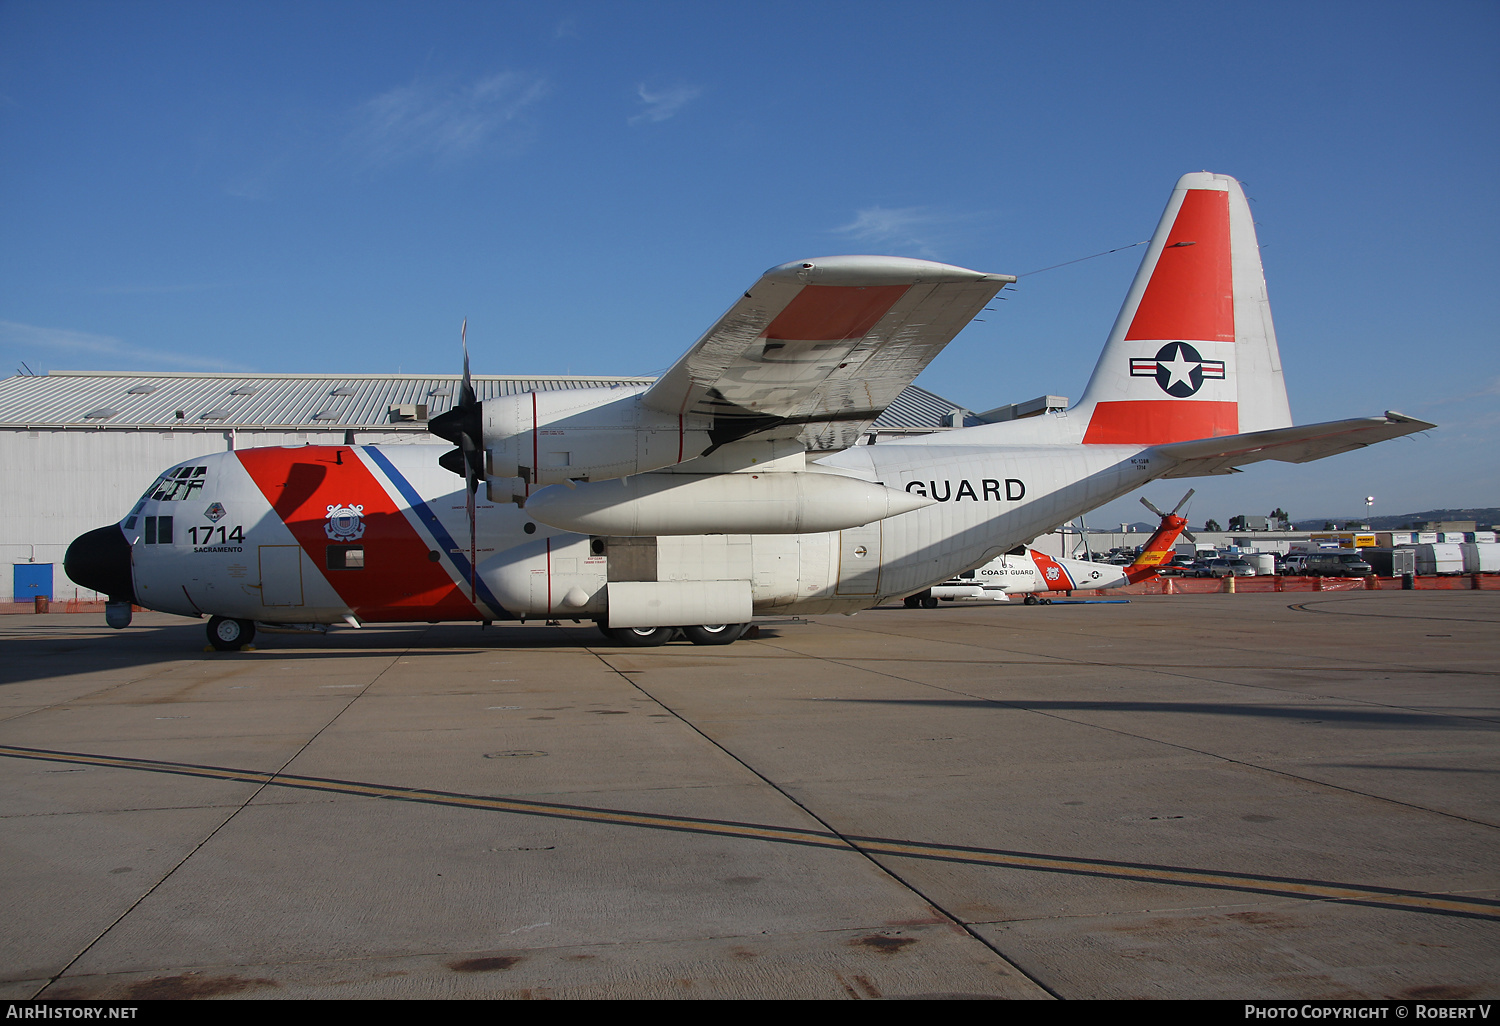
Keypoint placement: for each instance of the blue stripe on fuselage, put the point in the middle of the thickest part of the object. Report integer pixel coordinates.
(448, 547)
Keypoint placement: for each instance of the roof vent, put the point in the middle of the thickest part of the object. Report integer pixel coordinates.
(219, 414)
(140, 390)
(102, 413)
(440, 390)
(408, 411)
(342, 390)
(244, 390)
(326, 415)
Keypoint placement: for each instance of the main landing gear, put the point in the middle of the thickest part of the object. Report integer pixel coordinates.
(650, 637)
(923, 600)
(228, 635)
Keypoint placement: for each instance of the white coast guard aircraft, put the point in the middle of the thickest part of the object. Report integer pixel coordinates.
(733, 486)
(1023, 571)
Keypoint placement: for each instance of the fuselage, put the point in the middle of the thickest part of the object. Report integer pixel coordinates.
(319, 534)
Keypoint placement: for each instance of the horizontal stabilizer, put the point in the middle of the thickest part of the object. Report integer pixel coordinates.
(1300, 444)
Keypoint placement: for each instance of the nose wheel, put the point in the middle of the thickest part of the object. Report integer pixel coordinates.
(228, 635)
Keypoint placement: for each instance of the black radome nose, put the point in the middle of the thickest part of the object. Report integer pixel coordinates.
(100, 560)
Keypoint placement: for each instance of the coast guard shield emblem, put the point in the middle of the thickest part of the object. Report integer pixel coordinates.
(344, 523)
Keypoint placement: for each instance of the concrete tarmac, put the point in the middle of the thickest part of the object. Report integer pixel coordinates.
(1251, 796)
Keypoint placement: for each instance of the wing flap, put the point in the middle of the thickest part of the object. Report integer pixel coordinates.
(1299, 444)
(816, 350)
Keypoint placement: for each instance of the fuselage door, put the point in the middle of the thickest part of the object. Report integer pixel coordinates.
(281, 575)
(859, 560)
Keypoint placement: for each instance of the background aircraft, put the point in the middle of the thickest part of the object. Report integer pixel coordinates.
(733, 486)
(1024, 571)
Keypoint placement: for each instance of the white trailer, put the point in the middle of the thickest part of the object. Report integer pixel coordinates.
(1433, 560)
(1480, 557)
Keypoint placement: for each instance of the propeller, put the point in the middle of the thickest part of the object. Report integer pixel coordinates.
(1185, 532)
(463, 425)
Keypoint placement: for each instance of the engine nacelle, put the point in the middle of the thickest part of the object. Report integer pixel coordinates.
(743, 503)
(591, 434)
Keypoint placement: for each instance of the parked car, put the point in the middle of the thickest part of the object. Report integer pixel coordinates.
(1179, 566)
(1294, 565)
(1229, 567)
(1338, 564)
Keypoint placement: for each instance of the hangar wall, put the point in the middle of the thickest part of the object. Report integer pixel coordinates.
(60, 483)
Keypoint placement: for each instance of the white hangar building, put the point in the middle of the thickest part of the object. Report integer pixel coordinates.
(78, 448)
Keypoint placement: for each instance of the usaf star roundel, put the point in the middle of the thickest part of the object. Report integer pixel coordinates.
(1178, 369)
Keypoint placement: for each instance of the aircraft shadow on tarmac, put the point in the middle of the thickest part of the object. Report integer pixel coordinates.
(1302, 714)
(32, 653)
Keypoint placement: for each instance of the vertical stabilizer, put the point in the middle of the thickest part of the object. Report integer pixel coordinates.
(1193, 352)
(1158, 550)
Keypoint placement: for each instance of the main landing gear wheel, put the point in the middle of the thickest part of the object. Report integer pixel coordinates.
(929, 602)
(1032, 600)
(638, 637)
(715, 633)
(228, 635)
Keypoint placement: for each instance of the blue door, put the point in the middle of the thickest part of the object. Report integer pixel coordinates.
(31, 580)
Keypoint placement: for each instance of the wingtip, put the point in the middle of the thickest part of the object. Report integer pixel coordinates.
(878, 270)
(1401, 418)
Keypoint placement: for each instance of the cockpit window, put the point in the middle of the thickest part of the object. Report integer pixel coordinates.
(178, 483)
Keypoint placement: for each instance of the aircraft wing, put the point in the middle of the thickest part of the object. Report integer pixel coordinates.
(1300, 444)
(817, 349)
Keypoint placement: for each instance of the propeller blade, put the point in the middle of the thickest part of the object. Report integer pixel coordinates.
(473, 549)
(466, 395)
(1189, 536)
(1183, 503)
(468, 441)
(463, 425)
(1147, 503)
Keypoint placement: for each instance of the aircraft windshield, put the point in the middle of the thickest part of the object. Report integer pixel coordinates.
(178, 483)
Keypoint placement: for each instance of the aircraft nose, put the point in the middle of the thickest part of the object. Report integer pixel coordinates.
(101, 560)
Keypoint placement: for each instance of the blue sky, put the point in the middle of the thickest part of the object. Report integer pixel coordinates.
(333, 187)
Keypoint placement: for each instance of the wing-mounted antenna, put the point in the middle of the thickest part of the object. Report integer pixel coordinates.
(464, 426)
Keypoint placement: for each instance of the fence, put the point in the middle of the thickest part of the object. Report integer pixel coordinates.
(1211, 585)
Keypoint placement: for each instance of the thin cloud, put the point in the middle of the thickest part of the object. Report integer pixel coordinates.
(894, 226)
(28, 339)
(1492, 388)
(447, 121)
(665, 104)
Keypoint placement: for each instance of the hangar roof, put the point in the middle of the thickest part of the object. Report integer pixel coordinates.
(115, 400)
